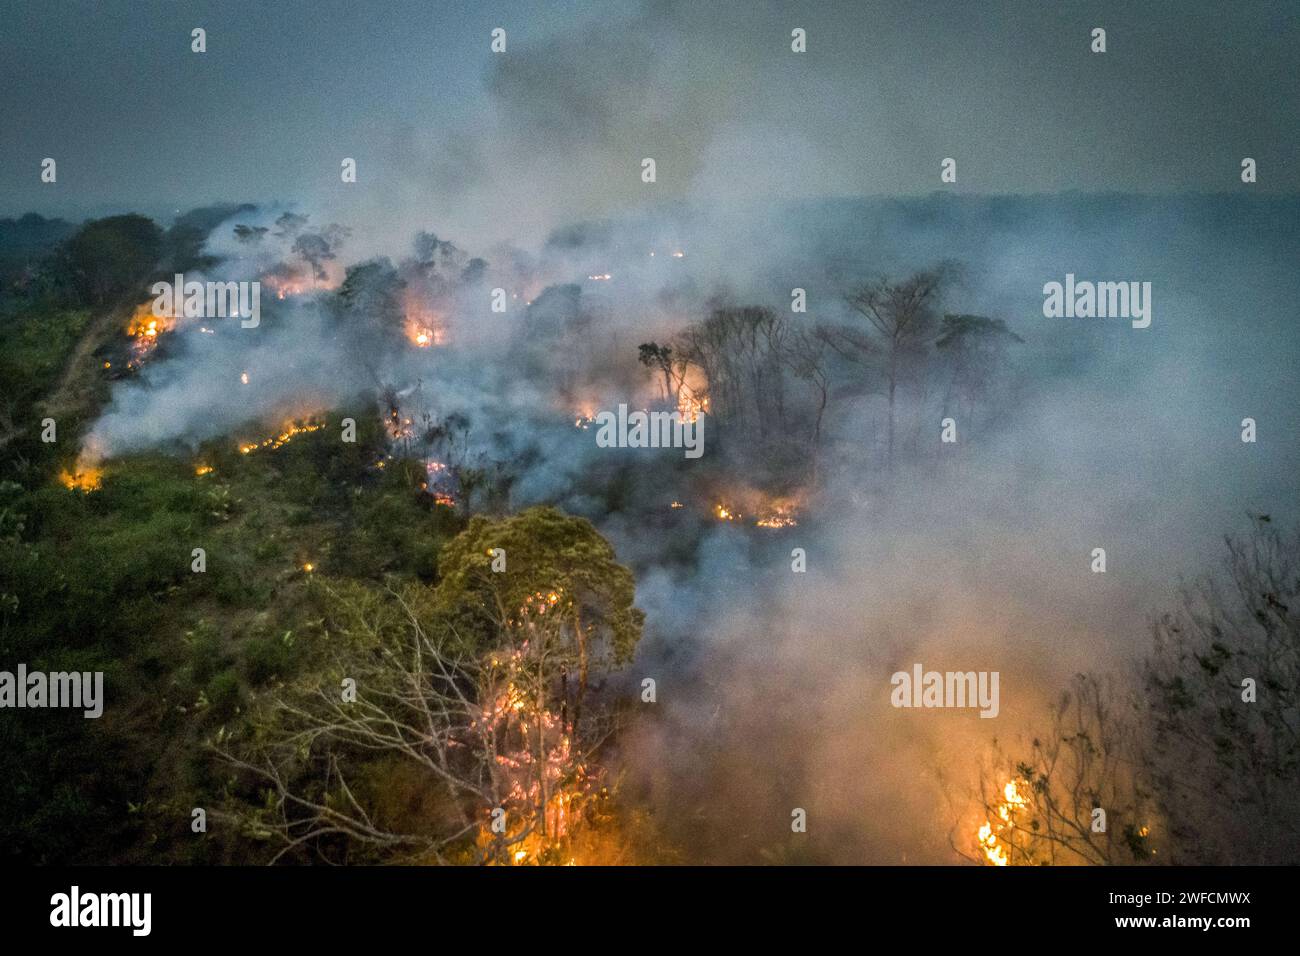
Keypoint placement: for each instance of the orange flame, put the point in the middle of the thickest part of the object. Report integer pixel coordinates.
(990, 834)
(291, 430)
(144, 328)
(85, 477)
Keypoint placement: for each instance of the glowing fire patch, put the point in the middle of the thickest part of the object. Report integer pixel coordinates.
(723, 513)
(284, 286)
(291, 431)
(85, 478)
(438, 471)
(548, 787)
(423, 325)
(201, 470)
(397, 426)
(144, 328)
(991, 843)
(423, 336)
(690, 407)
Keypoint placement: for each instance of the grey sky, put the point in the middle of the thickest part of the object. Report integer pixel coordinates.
(487, 146)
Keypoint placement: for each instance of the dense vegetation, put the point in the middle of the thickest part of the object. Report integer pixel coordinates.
(308, 549)
(344, 674)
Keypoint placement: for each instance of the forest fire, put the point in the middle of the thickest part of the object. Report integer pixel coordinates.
(84, 477)
(284, 286)
(423, 328)
(291, 431)
(543, 778)
(399, 427)
(690, 406)
(781, 518)
(144, 328)
(438, 474)
(990, 833)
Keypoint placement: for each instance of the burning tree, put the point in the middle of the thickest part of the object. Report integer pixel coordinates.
(546, 552)
(1042, 808)
(463, 691)
(1210, 731)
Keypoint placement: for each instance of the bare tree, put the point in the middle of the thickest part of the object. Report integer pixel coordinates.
(903, 316)
(809, 360)
(1042, 807)
(476, 725)
(1224, 686)
(741, 354)
(973, 349)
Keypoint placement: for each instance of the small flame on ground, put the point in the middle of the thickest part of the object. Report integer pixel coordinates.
(779, 518)
(292, 430)
(84, 477)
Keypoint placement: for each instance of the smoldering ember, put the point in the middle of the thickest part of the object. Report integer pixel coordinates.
(353, 458)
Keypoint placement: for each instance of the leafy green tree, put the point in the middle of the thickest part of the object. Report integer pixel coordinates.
(549, 557)
(107, 259)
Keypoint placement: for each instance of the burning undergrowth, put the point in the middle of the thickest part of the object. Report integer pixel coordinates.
(911, 548)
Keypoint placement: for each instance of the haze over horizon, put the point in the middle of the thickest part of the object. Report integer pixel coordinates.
(490, 147)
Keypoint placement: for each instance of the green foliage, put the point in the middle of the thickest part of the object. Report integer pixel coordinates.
(546, 551)
(224, 695)
(108, 258)
(34, 345)
(268, 657)
(104, 580)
